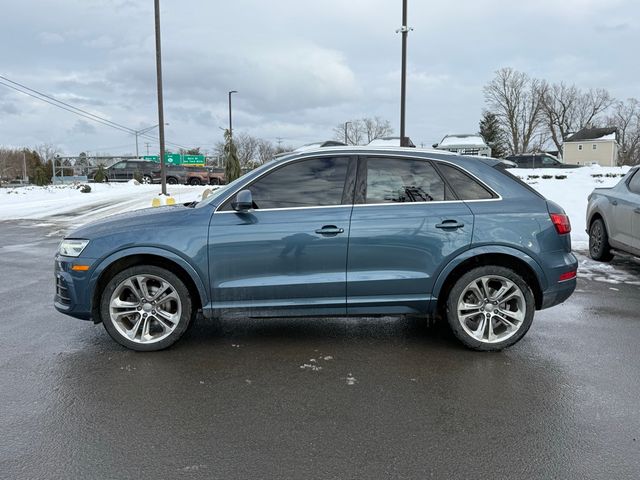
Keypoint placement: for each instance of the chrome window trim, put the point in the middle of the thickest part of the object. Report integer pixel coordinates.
(363, 154)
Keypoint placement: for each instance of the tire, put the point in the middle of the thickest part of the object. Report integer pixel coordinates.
(214, 181)
(136, 285)
(172, 180)
(195, 181)
(599, 248)
(147, 180)
(504, 323)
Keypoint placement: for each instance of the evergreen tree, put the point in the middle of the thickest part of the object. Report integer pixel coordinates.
(493, 135)
(231, 163)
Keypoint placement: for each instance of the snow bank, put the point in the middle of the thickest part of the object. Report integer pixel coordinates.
(67, 203)
(572, 192)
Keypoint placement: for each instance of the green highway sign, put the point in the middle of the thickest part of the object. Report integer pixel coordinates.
(178, 159)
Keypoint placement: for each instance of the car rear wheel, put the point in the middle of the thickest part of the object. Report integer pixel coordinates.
(146, 308)
(490, 308)
(194, 181)
(599, 242)
(214, 181)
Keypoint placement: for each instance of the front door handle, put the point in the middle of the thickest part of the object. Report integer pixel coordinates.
(329, 230)
(450, 224)
(614, 202)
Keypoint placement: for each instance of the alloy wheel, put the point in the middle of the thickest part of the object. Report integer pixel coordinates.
(491, 309)
(145, 308)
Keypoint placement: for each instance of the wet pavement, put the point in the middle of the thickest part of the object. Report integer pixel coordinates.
(309, 398)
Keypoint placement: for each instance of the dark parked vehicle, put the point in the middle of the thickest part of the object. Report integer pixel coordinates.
(216, 176)
(613, 218)
(332, 231)
(125, 170)
(538, 160)
(187, 175)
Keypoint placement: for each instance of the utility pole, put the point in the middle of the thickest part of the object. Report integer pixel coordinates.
(147, 144)
(24, 167)
(163, 171)
(403, 87)
(230, 122)
(346, 137)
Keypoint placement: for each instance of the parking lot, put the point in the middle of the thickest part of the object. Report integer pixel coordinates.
(309, 398)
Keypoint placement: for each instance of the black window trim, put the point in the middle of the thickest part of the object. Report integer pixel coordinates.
(361, 184)
(351, 175)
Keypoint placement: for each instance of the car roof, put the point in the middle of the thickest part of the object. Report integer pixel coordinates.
(389, 150)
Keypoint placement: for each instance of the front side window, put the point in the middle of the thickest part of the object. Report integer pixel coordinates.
(401, 181)
(310, 183)
(119, 165)
(548, 161)
(464, 185)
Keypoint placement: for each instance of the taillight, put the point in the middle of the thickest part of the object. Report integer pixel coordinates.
(561, 222)
(568, 276)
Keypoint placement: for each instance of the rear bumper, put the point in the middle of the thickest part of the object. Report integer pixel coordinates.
(558, 291)
(558, 294)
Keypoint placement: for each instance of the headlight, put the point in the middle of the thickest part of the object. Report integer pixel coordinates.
(72, 248)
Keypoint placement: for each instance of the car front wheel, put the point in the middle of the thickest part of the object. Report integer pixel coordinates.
(147, 180)
(172, 180)
(490, 308)
(599, 242)
(146, 308)
(194, 181)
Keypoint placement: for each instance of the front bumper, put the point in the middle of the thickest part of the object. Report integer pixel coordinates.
(72, 296)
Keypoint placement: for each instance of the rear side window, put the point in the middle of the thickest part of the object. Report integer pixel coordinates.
(391, 180)
(310, 183)
(465, 186)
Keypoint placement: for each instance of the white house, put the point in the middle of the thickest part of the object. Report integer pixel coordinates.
(592, 145)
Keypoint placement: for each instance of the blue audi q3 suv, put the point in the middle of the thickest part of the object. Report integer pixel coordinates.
(335, 231)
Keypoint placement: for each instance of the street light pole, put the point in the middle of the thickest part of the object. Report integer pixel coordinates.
(163, 172)
(403, 87)
(230, 122)
(346, 137)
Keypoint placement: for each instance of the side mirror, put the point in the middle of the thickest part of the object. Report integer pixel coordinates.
(243, 201)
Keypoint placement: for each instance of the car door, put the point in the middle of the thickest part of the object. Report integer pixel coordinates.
(634, 200)
(117, 171)
(406, 223)
(621, 221)
(288, 255)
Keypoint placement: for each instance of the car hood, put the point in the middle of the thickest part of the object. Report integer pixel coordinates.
(137, 219)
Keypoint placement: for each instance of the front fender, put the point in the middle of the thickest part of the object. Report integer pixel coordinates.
(484, 250)
(159, 252)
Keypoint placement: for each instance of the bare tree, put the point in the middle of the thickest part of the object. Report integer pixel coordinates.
(626, 117)
(516, 99)
(567, 109)
(265, 151)
(47, 151)
(362, 131)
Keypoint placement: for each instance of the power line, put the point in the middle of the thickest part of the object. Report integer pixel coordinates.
(73, 109)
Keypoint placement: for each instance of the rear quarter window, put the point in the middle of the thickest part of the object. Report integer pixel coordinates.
(465, 187)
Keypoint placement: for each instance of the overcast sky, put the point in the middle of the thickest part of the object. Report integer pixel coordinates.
(300, 66)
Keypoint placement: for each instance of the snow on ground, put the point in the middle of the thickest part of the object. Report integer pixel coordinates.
(572, 192)
(66, 203)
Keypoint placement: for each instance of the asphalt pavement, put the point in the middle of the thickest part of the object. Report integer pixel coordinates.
(314, 398)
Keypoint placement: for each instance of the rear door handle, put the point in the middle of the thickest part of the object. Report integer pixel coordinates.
(329, 230)
(450, 224)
